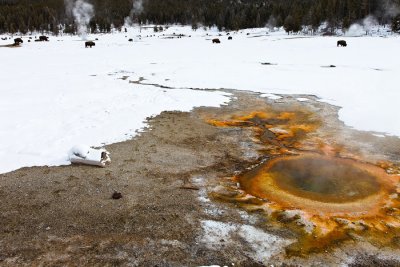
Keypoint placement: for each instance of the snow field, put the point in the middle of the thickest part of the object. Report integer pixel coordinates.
(56, 94)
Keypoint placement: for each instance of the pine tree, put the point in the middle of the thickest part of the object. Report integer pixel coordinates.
(396, 24)
(44, 15)
(288, 25)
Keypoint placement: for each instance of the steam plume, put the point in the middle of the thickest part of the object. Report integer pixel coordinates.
(391, 9)
(82, 12)
(363, 28)
(271, 23)
(137, 9)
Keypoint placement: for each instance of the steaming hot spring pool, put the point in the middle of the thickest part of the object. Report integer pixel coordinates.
(323, 179)
(318, 183)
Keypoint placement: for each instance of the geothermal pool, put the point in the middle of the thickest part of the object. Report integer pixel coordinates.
(323, 179)
(314, 179)
(317, 178)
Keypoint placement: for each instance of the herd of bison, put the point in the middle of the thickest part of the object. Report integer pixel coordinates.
(18, 41)
(90, 44)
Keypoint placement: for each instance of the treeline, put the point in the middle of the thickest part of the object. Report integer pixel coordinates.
(51, 15)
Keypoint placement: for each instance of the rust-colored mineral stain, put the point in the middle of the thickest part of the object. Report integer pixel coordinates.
(333, 196)
(276, 128)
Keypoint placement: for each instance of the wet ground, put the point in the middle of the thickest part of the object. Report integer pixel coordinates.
(189, 196)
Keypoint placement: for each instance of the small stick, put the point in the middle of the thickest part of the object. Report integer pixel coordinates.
(189, 187)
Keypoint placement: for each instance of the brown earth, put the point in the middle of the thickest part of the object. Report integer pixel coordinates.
(66, 216)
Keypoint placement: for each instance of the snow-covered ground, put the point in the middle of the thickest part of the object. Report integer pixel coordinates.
(56, 94)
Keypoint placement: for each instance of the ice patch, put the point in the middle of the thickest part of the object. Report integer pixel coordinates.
(271, 96)
(302, 99)
(261, 245)
(216, 233)
(264, 245)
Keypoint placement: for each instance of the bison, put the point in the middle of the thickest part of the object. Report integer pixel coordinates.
(216, 41)
(89, 44)
(18, 41)
(341, 43)
(230, 38)
(43, 38)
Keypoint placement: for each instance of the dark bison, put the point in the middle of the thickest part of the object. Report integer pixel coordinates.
(230, 38)
(216, 41)
(18, 41)
(43, 38)
(130, 40)
(341, 43)
(89, 44)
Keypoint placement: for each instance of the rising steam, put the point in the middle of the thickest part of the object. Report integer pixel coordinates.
(391, 9)
(82, 12)
(137, 9)
(271, 24)
(362, 28)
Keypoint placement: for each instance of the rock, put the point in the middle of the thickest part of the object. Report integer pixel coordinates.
(116, 195)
